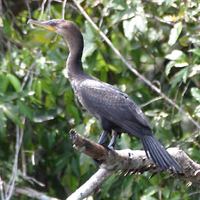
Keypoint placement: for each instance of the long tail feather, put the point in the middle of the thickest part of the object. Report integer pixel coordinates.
(159, 155)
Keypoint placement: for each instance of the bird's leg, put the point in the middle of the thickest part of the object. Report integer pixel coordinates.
(113, 140)
(103, 137)
(102, 140)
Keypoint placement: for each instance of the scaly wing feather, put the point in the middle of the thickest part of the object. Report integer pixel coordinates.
(104, 100)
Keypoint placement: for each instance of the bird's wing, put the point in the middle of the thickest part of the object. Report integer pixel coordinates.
(110, 103)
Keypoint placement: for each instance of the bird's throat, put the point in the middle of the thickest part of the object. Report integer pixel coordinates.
(74, 66)
(74, 63)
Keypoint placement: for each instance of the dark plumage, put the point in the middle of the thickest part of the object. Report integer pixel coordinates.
(113, 108)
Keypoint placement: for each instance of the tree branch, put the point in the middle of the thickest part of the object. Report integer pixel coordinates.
(33, 193)
(127, 162)
(92, 184)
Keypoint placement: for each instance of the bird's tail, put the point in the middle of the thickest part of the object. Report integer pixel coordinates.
(159, 155)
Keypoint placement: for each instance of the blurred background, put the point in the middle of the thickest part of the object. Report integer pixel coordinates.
(37, 105)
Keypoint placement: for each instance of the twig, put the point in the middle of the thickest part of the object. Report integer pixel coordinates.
(23, 161)
(132, 66)
(33, 193)
(150, 102)
(63, 9)
(194, 193)
(159, 19)
(42, 9)
(1, 9)
(31, 180)
(28, 8)
(49, 9)
(11, 184)
(2, 189)
(29, 72)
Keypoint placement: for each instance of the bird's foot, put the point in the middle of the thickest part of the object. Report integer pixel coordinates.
(110, 147)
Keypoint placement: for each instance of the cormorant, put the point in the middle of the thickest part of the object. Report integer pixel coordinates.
(115, 110)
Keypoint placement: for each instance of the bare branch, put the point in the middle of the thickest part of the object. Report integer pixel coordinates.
(32, 193)
(1, 9)
(31, 180)
(127, 162)
(42, 9)
(89, 186)
(2, 189)
(63, 9)
(19, 138)
(132, 66)
(28, 8)
(159, 19)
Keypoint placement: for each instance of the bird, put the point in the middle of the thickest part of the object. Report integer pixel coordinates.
(115, 110)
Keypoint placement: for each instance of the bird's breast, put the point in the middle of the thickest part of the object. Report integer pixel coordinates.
(77, 88)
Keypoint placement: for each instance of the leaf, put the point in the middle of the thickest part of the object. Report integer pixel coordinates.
(118, 5)
(73, 111)
(184, 41)
(194, 70)
(137, 23)
(147, 197)
(197, 111)
(50, 101)
(38, 89)
(122, 15)
(15, 82)
(179, 76)
(116, 69)
(128, 27)
(152, 113)
(25, 110)
(89, 38)
(4, 82)
(174, 34)
(2, 123)
(180, 64)
(175, 55)
(169, 67)
(42, 116)
(11, 112)
(195, 51)
(195, 92)
(178, 59)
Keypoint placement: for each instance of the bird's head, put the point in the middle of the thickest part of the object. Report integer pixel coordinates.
(59, 26)
(67, 29)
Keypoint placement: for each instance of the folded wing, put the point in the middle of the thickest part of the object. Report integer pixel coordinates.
(108, 102)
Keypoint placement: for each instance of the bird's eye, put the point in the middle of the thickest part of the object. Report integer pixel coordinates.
(52, 23)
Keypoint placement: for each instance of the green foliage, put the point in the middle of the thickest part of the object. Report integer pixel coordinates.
(161, 37)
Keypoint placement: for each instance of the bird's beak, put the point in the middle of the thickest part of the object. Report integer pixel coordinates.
(48, 25)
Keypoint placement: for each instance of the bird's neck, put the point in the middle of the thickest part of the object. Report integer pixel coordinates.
(74, 64)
